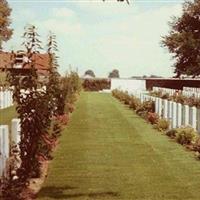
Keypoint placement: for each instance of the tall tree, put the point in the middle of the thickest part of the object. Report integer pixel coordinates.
(5, 30)
(183, 40)
(53, 86)
(33, 111)
(114, 74)
(31, 42)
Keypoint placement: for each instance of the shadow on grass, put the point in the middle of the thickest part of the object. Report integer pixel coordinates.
(60, 193)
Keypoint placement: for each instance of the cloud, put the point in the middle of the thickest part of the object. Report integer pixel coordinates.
(105, 35)
(61, 26)
(132, 44)
(63, 12)
(109, 7)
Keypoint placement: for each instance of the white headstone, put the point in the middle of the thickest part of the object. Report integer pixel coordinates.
(160, 108)
(194, 117)
(165, 109)
(179, 115)
(4, 149)
(156, 105)
(174, 117)
(15, 131)
(186, 115)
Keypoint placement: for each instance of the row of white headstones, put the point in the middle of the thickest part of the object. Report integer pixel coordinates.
(176, 113)
(7, 141)
(187, 91)
(6, 99)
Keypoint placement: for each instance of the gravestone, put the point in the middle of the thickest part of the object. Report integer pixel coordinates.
(4, 149)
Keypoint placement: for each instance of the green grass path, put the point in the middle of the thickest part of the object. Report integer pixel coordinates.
(108, 152)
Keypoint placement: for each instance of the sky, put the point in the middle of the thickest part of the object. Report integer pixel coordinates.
(101, 36)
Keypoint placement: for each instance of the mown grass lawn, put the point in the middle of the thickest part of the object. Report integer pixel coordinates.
(108, 152)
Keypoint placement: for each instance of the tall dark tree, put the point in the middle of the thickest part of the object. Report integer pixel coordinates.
(33, 111)
(90, 73)
(183, 40)
(5, 30)
(31, 42)
(114, 74)
(52, 49)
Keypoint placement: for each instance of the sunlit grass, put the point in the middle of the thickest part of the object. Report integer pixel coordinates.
(108, 152)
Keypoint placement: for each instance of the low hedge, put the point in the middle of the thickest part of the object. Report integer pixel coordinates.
(96, 84)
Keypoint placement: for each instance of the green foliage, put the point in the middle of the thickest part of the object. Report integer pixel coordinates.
(162, 125)
(54, 82)
(196, 145)
(122, 96)
(141, 109)
(152, 117)
(34, 112)
(134, 102)
(70, 87)
(96, 84)
(171, 133)
(114, 74)
(5, 31)
(156, 93)
(41, 113)
(144, 108)
(3, 81)
(90, 73)
(186, 135)
(178, 98)
(31, 42)
(184, 40)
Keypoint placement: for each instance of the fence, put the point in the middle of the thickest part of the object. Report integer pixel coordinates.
(7, 141)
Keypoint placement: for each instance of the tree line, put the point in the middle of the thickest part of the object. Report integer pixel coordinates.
(113, 74)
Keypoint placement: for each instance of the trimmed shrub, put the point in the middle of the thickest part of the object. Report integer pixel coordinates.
(186, 135)
(134, 103)
(152, 117)
(171, 133)
(197, 146)
(145, 107)
(165, 96)
(96, 84)
(162, 125)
